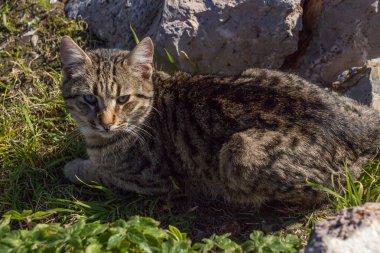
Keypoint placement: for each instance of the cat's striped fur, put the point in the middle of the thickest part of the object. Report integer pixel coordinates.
(247, 139)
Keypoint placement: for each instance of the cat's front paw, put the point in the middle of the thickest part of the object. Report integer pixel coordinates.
(75, 169)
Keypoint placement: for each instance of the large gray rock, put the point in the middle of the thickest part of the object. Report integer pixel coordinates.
(337, 35)
(317, 39)
(352, 230)
(217, 35)
(227, 36)
(111, 20)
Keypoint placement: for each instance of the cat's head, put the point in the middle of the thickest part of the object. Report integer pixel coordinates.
(107, 90)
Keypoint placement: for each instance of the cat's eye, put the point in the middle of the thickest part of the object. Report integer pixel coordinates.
(91, 99)
(122, 99)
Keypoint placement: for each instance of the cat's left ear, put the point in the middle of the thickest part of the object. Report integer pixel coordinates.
(141, 58)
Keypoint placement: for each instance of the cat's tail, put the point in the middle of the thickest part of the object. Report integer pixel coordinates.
(359, 126)
(370, 132)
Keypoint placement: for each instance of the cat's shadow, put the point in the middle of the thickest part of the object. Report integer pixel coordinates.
(209, 217)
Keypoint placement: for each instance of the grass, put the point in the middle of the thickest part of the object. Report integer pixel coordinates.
(354, 193)
(37, 137)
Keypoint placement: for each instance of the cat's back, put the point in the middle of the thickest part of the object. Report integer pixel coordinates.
(266, 100)
(257, 96)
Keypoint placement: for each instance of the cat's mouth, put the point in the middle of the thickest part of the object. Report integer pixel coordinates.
(110, 129)
(105, 128)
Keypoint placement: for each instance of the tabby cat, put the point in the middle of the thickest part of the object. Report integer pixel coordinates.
(245, 139)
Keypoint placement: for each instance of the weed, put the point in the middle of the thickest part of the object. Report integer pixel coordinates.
(354, 193)
(137, 234)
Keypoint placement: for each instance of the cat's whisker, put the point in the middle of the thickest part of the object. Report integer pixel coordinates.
(139, 138)
(122, 126)
(145, 125)
(143, 131)
(140, 129)
(157, 111)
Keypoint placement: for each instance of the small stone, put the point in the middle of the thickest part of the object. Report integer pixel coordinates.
(34, 40)
(352, 230)
(361, 83)
(26, 37)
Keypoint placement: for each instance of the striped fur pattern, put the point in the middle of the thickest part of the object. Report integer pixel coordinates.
(246, 139)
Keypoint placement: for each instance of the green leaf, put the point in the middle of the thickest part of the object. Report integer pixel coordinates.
(120, 223)
(156, 233)
(11, 242)
(178, 236)
(271, 243)
(135, 236)
(225, 243)
(14, 215)
(75, 241)
(115, 240)
(5, 249)
(77, 227)
(93, 229)
(145, 247)
(4, 227)
(94, 248)
(137, 221)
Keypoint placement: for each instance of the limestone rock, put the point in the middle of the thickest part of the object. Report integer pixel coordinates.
(217, 35)
(111, 20)
(337, 35)
(317, 39)
(352, 230)
(228, 36)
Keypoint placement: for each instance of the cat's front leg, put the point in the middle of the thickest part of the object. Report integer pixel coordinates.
(82, 169)
(145, 182)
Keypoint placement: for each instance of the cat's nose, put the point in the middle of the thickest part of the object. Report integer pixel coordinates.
(107, 127)
(106, 120)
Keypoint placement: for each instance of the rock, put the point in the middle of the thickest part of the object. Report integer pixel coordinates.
(218, 35)
(337, 35)
(224, 36)
(317, 39)
(34, 40)
(352, 230)
(361, 83)
(27, 36)
(111, 20)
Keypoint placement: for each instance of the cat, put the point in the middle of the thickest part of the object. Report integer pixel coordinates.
(247, 139)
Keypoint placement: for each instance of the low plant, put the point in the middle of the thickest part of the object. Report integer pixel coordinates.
(137, 234)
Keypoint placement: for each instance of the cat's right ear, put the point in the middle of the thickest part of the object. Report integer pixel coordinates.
(72, 56)
(141, 58)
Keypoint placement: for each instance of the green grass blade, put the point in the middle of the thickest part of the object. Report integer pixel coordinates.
(170, 58)
(325, 189)
(27, 118)
(137, 41)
